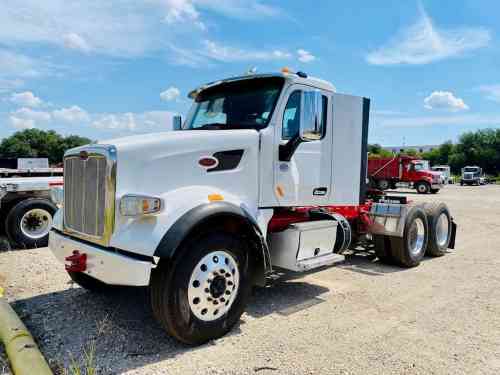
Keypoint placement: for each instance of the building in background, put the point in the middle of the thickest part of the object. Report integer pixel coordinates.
(422, 148)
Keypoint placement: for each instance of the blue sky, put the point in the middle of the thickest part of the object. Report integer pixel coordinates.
(107, 69)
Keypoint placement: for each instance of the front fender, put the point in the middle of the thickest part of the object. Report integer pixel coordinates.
(197, 215)
(142, 235)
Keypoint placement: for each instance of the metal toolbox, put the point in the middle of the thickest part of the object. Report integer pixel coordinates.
(304, 246)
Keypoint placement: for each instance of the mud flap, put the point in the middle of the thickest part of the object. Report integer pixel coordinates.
(451, 245)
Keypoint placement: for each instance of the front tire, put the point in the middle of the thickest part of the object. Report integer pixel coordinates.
(201, 295)
(29, 221)
(383, 184)
(423, 187)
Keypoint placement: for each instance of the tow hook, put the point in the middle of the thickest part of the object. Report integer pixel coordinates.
(76, 262)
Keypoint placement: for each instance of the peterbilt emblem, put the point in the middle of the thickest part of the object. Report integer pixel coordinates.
(84, 155)
(208, 162)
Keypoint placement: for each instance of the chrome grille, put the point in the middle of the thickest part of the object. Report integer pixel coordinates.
(89, 190)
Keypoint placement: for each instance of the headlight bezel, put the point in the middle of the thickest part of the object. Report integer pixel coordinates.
(134, 205)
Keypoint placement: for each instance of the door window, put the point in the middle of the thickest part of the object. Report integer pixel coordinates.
(291, 115)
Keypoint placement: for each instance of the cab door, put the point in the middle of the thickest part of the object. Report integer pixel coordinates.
(306, 178)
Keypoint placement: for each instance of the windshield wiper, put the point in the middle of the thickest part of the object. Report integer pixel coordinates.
(212, 125)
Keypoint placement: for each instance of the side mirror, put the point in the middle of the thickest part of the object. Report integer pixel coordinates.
(311, 116)
(177, 122)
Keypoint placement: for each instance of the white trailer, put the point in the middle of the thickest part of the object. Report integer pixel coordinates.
(27, 209)
(267, 172)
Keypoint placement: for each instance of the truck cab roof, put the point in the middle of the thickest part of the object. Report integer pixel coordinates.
(288, 76)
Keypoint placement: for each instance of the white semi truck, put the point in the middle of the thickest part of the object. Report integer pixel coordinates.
(267, 172)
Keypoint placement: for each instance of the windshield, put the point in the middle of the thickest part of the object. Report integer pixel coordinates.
(246, 104)
(470, 169)
(422, 165)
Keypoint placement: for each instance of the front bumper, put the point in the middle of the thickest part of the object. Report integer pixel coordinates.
(104, 265)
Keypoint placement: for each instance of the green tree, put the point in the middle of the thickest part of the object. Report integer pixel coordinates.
(35, 143)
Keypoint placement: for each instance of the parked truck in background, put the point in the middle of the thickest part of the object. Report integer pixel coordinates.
(472, 175)
(403, 171)
(267, 172)
(26, 204)
(445, 171)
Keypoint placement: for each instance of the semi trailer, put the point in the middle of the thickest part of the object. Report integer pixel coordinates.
(403, 171)
(27, 208)
(267, 173)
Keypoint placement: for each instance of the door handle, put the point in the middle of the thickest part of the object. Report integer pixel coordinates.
(320, 190)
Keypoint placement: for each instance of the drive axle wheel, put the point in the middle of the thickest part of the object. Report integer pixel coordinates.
(204, 291)
(439, 228)
(409, 250)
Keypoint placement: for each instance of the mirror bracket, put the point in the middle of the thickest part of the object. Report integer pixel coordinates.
(287, 150)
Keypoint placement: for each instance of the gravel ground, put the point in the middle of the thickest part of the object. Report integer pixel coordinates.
(360, 317)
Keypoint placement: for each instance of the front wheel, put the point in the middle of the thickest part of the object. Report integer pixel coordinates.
(384, 184)
(203, 293)
(423, 187)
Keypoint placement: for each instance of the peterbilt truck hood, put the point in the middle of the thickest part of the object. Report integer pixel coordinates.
(157, 162)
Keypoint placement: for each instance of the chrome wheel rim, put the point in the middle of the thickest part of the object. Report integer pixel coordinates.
(213, 285)
(416, 236)
(36, 223)
(422, 188)
(442, 229)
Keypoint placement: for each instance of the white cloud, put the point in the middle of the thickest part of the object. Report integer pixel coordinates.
(492, 92)
(26, 118)
(419, 121)
(73, 114)
(134, 122)
(181, 11)
(170, 94)
(444, 100)
(76, 42)
(224, 53)
(30, 114)
(423, 42)
(120, 28)
(26, 98)
(13, 64)
(305, 56)
(21, 124)
(7, 85)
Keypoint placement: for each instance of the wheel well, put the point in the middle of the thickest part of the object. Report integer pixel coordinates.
(236, 225)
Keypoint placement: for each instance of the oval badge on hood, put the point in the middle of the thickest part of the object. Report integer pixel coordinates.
(208, 162)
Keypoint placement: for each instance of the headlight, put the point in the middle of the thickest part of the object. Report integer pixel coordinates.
(135, 205)
(57, 195)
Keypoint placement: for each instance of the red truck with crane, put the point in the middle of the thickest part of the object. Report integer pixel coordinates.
(400, 170)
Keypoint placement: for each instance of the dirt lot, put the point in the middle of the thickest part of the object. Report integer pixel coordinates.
(360, 317)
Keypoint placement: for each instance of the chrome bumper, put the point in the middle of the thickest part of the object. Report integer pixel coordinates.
(109, 267)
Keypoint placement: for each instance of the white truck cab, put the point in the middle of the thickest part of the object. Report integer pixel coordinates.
(267, 171)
